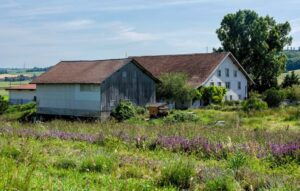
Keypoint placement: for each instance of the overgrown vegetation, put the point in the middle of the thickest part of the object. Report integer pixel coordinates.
(174, 88)
(195, 149)
(3, 105)
(212, 94)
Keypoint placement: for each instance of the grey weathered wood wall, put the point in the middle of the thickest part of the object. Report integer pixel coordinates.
(129, 83)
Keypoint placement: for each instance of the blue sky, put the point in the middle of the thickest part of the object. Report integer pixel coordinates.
(43, 32)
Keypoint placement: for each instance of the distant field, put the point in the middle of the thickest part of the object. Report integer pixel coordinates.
(281, 77)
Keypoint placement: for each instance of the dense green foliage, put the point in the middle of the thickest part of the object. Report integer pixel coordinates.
(290, 80)
(3, 105)
(181, 116)
(212, 94)
(274, 97)
(124, 110)
(257, 43)
(174, 87)
(293, 93)
(293, 62)
(254, 103)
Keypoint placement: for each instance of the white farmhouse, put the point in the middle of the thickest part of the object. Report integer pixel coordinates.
(208, 69)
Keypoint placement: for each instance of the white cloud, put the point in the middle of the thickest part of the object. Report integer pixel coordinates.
(127, 33)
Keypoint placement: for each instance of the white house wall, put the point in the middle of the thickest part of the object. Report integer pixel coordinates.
(233, 92)
(21, 96)
(68, 99)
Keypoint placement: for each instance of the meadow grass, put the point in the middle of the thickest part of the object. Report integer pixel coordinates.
(248, 151)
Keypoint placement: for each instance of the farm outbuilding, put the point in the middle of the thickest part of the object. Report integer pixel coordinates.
(93, 88)
(22, 94)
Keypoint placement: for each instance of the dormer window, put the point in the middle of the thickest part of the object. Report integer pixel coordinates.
(219, 73)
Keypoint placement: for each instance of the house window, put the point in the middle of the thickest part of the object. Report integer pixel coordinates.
(227, 84)
(219, 83)
(88, 88)
(230, 97)
(212, 83)
(235, 73)
(227, 72)
(239, 85)
(240, 97)
(219, 73)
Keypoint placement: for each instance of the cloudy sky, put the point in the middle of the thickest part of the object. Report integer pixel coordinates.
(43, 32)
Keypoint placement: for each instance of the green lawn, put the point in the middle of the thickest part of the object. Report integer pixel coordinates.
(153, 155)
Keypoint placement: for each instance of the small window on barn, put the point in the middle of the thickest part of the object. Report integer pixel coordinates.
(219, 73)
(88, 88)
(227, 72)
(230, 97)
(212, 83)
(124, 74)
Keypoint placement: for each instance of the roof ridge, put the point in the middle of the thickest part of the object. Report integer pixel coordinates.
(187, 54)
(113, 59)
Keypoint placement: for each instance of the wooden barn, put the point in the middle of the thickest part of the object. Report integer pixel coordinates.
(93, 88)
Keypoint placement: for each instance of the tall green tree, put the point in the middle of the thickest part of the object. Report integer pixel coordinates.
(257, 42)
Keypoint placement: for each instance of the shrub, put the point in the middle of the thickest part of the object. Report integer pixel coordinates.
(65, 164)
(293, 93)
(290, 80)
(181, 116)
(177, 174)
(212, 94)
(99, 164)
(274, 97)
(224, 183)
(3, 105)
(254, 103)
(124, 110)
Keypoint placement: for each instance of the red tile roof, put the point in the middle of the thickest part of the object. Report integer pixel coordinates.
(23, 87)
(198, 67)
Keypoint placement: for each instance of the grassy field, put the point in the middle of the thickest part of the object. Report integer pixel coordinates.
(221, 150)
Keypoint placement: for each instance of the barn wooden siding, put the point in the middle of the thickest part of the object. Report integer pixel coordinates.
(129, 83)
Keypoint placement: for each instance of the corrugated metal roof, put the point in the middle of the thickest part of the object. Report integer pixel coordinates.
(23, 87)
(89, 72)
